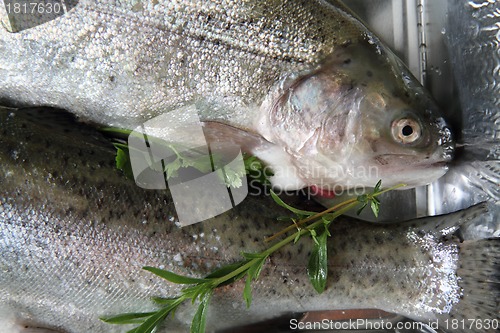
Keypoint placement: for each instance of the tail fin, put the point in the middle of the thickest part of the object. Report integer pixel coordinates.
(479, 273)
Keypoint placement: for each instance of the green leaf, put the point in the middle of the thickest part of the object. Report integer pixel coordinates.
(256, 169)
(290, 208)
(127, 318)
(197, 290)
(362, 198)
(172, 168)
(253, 274)
(250, 256)
(198, 324)
(134, 330)
(154, 321)
(375, 207)
(164, 301)
(255, 270)
(225, 270)
(247, 292)
(251, 163)
(172, 277)
(233, 178)
(122, 161)
(377, 187)
(297, 237)
(361, 209)
(317, 269)
(120, 145)
(313, 235)
(327, 218)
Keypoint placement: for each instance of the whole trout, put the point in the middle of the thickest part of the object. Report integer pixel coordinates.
(74, 234)
(301, 84)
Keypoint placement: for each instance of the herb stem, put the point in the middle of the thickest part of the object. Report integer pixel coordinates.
(329, 210)
(389, 189)
(216, 282)
(310, 218)
(202, 289)
(351, 204)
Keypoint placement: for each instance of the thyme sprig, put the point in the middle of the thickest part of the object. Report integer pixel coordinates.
(201, 289)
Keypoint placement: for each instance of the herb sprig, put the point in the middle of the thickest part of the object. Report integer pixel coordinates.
(186, 158)
(201, 289)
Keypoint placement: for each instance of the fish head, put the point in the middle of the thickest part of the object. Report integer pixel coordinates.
(361, 117)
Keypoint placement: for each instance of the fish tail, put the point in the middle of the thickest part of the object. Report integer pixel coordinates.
(479, 277)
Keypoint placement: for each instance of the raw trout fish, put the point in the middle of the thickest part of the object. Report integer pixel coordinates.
(301, 84)
(75, 233)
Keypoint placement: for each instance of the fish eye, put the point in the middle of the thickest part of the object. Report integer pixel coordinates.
(406, 130)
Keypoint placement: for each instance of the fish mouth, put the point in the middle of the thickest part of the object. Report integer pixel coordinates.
(391, 158)
(418, 174)
(432, 166)
(414, 172)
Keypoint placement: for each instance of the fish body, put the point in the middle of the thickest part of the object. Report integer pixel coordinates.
(326, 103)
(74, 235)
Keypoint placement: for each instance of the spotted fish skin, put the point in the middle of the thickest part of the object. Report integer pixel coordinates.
(326, 100)
(168, 54)
(74, 235)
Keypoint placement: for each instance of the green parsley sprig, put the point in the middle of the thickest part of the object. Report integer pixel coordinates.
(186, 158)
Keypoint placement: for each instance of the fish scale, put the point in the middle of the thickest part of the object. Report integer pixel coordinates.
(173, 38)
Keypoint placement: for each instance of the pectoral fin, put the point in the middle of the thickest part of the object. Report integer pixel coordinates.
(221, 134)
(286, 175)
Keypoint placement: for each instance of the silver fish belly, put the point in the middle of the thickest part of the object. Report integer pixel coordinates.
(330, 105)
(74, 234)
